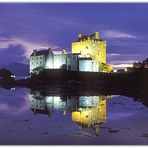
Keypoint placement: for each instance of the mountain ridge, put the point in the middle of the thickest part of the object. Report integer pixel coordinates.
(17, 68)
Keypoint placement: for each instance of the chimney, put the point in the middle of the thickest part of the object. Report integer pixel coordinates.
(64, 51)
(80, 36)
(96, 35)
(34, 52)
(49, 49)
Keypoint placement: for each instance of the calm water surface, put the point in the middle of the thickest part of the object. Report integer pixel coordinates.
(31, 117)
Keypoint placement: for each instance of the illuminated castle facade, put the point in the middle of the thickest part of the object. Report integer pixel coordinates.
(88, 55)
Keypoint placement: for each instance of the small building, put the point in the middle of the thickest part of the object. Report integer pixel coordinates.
(137, 65)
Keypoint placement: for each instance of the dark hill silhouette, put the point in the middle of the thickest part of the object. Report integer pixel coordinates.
(5, 74)
(19, 69)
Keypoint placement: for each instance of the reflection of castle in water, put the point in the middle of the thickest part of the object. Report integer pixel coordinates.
(92, 111)
(87, 111)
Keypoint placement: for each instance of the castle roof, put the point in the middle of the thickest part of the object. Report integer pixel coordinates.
(40, 52)
(46, 52)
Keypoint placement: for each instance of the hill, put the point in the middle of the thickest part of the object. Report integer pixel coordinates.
(18, 69)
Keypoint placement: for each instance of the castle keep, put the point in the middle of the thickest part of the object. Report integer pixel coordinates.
(88, 55)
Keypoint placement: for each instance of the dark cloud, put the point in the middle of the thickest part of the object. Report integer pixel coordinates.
(13, 53)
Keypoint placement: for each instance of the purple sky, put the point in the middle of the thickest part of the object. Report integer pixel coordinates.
(25, 26)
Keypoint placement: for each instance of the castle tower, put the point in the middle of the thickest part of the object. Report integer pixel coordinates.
(91, 45)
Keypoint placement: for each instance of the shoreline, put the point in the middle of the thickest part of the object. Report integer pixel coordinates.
(109, 81)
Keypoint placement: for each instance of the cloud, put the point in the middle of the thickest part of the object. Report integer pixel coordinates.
(117, 34)
(113, 54)
(121, 60)
(19, 50)
(12, 53)
(117, 64)
(122, 65)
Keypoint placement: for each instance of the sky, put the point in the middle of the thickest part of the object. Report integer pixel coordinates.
(28, 26)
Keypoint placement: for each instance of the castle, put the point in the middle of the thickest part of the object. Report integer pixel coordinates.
(88, 55)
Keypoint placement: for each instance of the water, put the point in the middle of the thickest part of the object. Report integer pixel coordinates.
(35, 117)
(21, 77)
